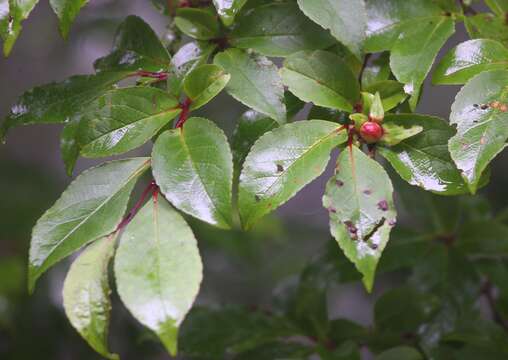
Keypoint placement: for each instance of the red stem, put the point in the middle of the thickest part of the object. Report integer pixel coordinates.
(151, 74)
(184, 115)
(151, 188)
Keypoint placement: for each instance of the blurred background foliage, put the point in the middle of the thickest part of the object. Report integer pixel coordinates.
(440, 273)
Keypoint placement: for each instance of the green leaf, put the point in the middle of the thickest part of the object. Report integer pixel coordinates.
(56, 102)
(481, 131)
(377, 71)
(484, 239)
(158, 270)
(227, 9)
(254, 82)
(394, 134)
(346, 19)
(359, 199)
(391, 92)
(194, 168)
(423, 160)
(414, 52)
(250, 127)
(123, 119)
(11, 16)
(400, 353)
(277, 350)
(322, 78)
(499, 7)
(487, 26)
(90, 208)
(282, 162)
(136, 47)
(278, 29)
(204, 83)
(342, 330)
(199, 24)
(69, 147)
(67, 10)
(86, 294)
(186, 59)
(469, 59)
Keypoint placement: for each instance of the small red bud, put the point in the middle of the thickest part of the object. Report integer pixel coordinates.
(371, 132)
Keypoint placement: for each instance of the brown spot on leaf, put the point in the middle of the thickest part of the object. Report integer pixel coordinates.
(373, 246)
(257, 198)
(332, 210)
(392, 222)
(280, 168)
(484, 106)
(382, 205)
(503, 108)
(495, 104)
(483, 140)
(367, 191)
(351, 228)
(339, 183)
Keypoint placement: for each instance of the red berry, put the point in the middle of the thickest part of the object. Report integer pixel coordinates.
(371, 132)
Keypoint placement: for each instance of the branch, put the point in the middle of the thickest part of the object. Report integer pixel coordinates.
(151, 188)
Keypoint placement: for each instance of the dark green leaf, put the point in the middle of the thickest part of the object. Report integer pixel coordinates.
(136, 47)
(69, 147)
(480, 112)
(13, 13)
(57, 102)
(400, 353)
(487, 26)
(359, 199)
(342, 330)
(278, 29)
(194, 168)
(346, 19)
(469, 59)
(86, 294)
(199, 24)
(282, 162)
(322, 78)
(90, 208)
(378, 70)
(423, 160)
(204, 83)
(485, 238)
(123, 119)
(67, 10)
(293, 105)
(227, 9)
(255, 82)
(499, 7)
(158, 269)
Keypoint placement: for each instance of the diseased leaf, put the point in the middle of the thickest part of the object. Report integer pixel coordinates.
(199, 24)
(186, 59)
(469, 59)
(359, 199)
(193, 166)
(322, 78)
(480, 112)
(254, 82)
(487, 26)
(227, 9)
(86, 294)
(278, 29)
(346, 19)
(204, 83)
(423, 160)
(282, 162)
(67, 10)
(158, 270)
(11, 16)
(90, 208)
(123, 119)
(136, 47)
(57, 102)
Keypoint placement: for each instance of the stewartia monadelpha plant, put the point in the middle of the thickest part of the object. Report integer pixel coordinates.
(359, 66)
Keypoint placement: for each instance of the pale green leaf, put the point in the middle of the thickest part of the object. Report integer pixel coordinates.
(67, 10)
(227, 9)
(11, 16)
(204, 83)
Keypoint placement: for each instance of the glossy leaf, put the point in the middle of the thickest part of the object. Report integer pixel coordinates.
(278, 29)
(90, 208)
(69, 148)
(487, 26)
(86, 294)
(136, 47)
(322, 78)
(194, 168)
(204, 83)
(56, 102)
(394, 134)
(67, 10)
(346, 19)
(282, 162)
(469, 59)
(377, 71)
(499, 7)
(199, 24)
(158, 269)
(359, 199)
(400, 353)
(123, 119)
(186, 59)
(12, 15)
(254, 82)
(227, 9)
(391, 92)
(423, 160)
(480, 112)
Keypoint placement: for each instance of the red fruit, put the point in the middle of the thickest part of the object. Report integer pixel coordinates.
(371, 132)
